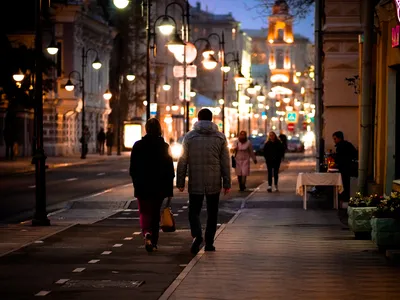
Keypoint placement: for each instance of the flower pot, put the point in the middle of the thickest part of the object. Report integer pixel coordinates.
(385, 232)
(359, 220)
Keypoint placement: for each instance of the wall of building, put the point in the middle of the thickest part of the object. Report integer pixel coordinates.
(387, 99)
(341, 29)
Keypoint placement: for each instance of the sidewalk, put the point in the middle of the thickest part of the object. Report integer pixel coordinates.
(273, 249)
(24, 164)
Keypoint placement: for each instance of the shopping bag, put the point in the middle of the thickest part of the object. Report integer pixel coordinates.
(167, 220)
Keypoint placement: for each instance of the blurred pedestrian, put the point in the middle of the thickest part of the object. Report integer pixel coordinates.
(109, 141)
(101, 138)
(243, 152)
(9, 139)
(273, 154)
(344, 158)
(206, 158)
(152, 173)
(85, 141)
(283, 138)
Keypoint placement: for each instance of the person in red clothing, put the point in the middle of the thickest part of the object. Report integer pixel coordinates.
(152, 172)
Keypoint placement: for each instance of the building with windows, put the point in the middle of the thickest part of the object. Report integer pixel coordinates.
(76, 26)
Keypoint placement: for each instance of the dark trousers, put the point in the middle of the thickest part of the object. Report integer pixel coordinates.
(9, 150)
(101, 148)
(242, 182)
(109, 150)
(85, 149)
(345, 195)
(195, 205)
(273, 169)
(149, 210)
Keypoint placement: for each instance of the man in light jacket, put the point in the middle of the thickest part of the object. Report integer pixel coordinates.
(206, 157)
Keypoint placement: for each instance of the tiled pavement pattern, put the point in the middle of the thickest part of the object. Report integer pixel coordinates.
(284, 252)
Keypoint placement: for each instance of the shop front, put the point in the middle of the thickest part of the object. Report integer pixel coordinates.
(387, 127)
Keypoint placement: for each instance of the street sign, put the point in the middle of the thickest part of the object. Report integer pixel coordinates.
(290, 126)
(292, 117)
(191, 71)
(188, 88)
(153, 109)
(192, 111)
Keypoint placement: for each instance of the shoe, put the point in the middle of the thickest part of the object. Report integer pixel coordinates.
(147, 242)
(155, 248)
(269, 189)
(196, 245)
(276, 189)
(209, 248)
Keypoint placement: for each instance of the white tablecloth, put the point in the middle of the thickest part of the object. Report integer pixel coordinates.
(313, 179)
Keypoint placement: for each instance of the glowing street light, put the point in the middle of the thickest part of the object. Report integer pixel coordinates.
(121, 4)
(107, 95)
(166, 27)
(19, 76)
(210, 62)
(69, 86)
(52, 48)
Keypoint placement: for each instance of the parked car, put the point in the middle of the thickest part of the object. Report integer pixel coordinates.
(295, 145)
(258, 144)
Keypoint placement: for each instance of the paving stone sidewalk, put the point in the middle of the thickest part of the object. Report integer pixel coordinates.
(274, 249)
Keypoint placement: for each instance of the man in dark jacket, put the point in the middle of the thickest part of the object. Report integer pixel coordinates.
(152, 172)
(283, 139)
(101, 138)
(109, 141)
(206, 157)
(345, 155)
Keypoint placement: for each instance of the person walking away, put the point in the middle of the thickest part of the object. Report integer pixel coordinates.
(109, 141)
(243, 152)
(101, 138)
(152, 173)
(206, 158)
(85, 141)
(344, 157)
(283, 138)
(273, 153)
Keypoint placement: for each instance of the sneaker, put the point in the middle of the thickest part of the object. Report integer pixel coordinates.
(209, 248)
(269, 189)
(147, 242)
(196, 245)
(276, 189)
(155, 248)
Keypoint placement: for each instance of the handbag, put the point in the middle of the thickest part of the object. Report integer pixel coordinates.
(167, 219)
(233, 159)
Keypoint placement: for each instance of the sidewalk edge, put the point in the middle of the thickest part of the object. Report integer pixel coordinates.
(178, 280)
(41, 238)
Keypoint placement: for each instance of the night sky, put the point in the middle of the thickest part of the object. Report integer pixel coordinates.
(245, 12)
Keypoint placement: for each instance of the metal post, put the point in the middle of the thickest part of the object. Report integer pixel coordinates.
(148, 37)
(40, 216)
(366, 105)
(121, 79)
(186, 35)
(238, 109)
(223, 81)
(83, 149)
(319, 105)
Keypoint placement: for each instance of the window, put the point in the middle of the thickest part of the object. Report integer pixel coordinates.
(280, 34)
(279, 58)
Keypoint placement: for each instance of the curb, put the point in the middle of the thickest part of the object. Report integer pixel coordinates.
(178, 280)
(30, 170)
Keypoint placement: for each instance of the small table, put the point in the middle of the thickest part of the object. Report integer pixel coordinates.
(321, 179)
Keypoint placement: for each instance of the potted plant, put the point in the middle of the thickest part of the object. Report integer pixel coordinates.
(360, 211)
(385, 223)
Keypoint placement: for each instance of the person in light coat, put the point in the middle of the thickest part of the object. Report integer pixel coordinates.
(243, 152)
(205, 159)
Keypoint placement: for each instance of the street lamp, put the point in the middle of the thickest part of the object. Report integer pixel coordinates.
(261, 97)
(210, 62)
(130, 76)
(165, 27)
(251, 89)
(107, 95)
(121, 4)
(166, 86)
(18, 77)
(52, 48)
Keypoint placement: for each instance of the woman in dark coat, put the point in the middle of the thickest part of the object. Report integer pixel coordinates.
(152, 173)
(273, 154)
